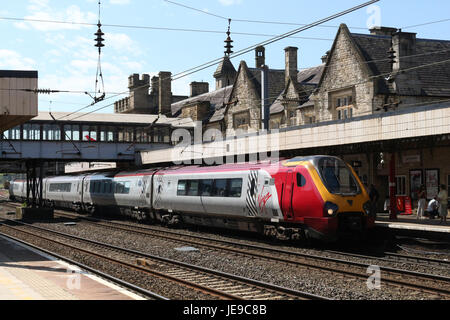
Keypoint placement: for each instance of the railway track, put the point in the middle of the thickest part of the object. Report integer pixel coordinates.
(211, 282)
(433, 284)
(141, 291)
(423, 261)
(429, 283)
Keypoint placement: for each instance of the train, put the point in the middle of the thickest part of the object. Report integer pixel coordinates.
(314, 197)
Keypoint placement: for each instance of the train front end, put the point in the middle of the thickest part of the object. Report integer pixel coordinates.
(339, 205)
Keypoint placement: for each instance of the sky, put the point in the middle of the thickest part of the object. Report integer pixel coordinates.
(148, 36)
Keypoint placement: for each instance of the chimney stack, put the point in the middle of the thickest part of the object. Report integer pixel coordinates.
(325, 57)
(165, 93)
(291, 70)
(260, 56)
(382, 31)
(155, 85)
(404, 44)
(198, 88)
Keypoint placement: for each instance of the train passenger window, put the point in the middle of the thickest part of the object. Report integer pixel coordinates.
(235, 188)
(97, 187)
(181, 189)
(206, 187)
(193, 188)
(108, 186)
(102, 186)
(301, 181)
(220, 188)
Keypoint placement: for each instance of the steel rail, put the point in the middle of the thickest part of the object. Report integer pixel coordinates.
(115, 280)
(393, 272)
(285, 293)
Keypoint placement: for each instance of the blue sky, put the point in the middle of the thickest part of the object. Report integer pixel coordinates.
(65, 56)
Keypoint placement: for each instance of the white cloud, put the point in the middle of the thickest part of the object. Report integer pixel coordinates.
(12, 60)
(40, 10)
(121, 42)
(230, 2)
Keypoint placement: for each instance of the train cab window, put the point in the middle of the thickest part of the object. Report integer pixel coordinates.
(220, 188)
(181, 189)
(193, 188)
(126, 187)
(206, 187)
(118, 187)
(301, 181)
(235, 188)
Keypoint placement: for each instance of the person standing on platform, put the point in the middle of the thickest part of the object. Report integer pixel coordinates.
(422, 194)
(443, 199)
(433, 208)
(374, 196)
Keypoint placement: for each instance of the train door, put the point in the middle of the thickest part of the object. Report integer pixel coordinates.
(83, 192)
(143, 190)
(288, 193)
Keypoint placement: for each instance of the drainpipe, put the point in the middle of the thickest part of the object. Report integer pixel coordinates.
(265, 112)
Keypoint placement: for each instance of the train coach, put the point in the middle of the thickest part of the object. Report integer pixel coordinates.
(318, 197)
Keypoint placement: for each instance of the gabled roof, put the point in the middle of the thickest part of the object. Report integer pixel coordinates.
(311, 76)
(307, 80)
(344, 30)
(217, 100)
(225, 67)
(373, 50)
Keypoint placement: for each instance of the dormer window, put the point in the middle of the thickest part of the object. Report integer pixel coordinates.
(344, 103)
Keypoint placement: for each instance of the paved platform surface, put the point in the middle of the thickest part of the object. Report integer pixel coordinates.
(27, 274)
(410, 226)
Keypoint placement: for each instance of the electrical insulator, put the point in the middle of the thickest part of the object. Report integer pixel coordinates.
(99, 38)
(228, 41)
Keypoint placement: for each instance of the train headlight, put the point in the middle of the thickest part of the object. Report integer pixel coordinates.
(330, 209)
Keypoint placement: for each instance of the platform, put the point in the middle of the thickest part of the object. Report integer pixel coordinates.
(28, 274)
(410, 225)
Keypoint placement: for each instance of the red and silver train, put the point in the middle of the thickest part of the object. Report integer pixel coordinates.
(317, 197)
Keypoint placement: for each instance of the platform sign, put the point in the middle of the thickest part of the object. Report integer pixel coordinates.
(408, 206)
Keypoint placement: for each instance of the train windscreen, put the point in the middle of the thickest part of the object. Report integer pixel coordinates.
(337, 177)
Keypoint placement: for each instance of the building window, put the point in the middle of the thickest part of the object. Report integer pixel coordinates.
(309, 118)
(51, 132)
(292, 117)
(241, 120)
(400, 184)
(31, 132)
(343, 102)
(274, 124)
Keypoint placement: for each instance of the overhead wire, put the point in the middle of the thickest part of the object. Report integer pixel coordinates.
(312, 90)
(155, 28)
(251, 21)
(267, 42)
